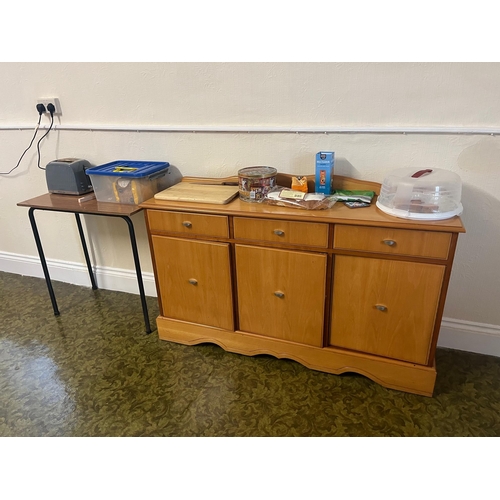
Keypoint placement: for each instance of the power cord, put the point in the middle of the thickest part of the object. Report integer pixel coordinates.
(41, 110)
(51, 109)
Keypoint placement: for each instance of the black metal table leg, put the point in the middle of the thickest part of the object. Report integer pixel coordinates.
(85, 251)
(138, 272)
(42, 260)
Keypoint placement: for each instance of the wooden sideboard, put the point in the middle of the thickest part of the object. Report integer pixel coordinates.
(338, 290)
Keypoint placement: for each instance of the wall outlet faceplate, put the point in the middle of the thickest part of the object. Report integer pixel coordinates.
(54, 100)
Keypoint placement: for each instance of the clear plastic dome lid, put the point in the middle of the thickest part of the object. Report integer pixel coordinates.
(421, 194)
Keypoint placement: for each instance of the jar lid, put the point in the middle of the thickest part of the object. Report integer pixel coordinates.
(257, 172)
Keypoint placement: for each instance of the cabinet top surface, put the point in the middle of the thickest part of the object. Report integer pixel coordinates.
(339, 213)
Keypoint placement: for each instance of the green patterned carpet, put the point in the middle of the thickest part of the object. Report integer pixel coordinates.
(94, 372)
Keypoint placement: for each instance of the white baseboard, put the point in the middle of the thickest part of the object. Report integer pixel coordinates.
(470, 336)
(455, 334)
(107, 278)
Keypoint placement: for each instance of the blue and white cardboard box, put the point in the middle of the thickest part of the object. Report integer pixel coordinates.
(325, 162)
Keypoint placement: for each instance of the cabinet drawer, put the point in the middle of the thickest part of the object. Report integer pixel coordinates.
(393, 241)
(188, 223)
(279, 231)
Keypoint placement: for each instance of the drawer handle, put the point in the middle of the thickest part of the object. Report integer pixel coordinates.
(279, 232)
(280, 295)
(389, 243)
(380, 307)
(193, 281)
(187, 224)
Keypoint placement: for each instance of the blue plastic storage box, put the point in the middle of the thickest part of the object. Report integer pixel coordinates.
(125, 181)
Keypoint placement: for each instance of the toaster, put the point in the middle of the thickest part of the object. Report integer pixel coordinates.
(68, 176)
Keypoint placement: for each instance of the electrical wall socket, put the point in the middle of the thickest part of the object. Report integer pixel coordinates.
(54, 100)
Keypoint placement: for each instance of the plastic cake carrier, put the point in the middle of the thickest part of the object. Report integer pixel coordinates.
(424, 194)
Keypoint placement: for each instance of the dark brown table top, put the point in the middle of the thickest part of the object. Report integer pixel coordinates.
(70, 203)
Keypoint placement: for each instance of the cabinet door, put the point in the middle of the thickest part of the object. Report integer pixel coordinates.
(385, 307)
(281, 293)
(194, 280)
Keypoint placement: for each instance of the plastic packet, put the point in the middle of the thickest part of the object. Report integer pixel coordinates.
(356, 204)
(286, 197)
(299, 184)
(362, 196)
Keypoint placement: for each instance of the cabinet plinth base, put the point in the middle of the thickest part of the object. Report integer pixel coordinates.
(398, 375)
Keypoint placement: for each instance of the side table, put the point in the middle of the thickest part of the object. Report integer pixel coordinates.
(70, 203)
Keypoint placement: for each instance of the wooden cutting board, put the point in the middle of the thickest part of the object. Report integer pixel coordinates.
(200, 193)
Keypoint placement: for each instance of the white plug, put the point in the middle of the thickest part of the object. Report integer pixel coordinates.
(51, 100)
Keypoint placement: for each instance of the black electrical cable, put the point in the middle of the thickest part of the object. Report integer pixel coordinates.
(51, 109)
(26, 150)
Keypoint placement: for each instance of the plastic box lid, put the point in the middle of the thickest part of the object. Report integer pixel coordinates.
(423, 194)
(128, 168)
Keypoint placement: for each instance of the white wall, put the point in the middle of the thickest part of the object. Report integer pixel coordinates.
(283, 95)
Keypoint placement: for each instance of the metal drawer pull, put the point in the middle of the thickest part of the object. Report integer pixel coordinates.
(380, 307)
(280, 295)
(187, 224)
(193, 281)
(279, 232)
(390, 243)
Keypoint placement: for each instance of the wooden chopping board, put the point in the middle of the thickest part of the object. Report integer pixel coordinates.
(199, 193)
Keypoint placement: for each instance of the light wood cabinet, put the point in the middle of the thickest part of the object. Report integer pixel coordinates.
(337, 290)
